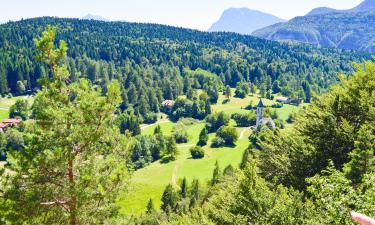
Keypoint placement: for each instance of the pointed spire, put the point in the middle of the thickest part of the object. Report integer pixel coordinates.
(260, 104)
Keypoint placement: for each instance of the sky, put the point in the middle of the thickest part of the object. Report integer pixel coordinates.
(196, 14)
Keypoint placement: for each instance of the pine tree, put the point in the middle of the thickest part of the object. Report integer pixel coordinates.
(216, 174)
(157, 130)
(73, 166)
(228, 92)
(150, 207)
(168, 199)
(183, 188)
(245, 159)
(203, 137)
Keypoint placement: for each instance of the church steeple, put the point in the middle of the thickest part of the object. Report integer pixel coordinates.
(260, 108)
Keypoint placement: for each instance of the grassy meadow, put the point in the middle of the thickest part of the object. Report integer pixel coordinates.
(149, 182)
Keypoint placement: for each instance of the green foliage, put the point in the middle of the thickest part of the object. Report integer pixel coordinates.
(181, 137)
(73, 160)
(242, 90)
(20, 109)
(216, 120)
(150, 207)
(169, 199)
(128, 122)
(244, 120)
(157, 130)
(197, 152)
(228, 134)
(216, 174)
(203, 137)
(184, 188)
(217, 142)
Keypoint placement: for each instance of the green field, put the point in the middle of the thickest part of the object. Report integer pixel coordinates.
(238, 105)
(150, 181)
(6, 103)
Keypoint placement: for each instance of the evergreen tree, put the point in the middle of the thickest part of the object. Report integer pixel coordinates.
(183, 188)
(157, 130)
(168, 199)
(203, 137)
(216, 174)
(150, 207)
(72, 150)
(228, 92)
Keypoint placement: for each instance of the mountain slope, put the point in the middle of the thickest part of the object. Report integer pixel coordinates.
(94, 17)
(243, 21)
(347, 29)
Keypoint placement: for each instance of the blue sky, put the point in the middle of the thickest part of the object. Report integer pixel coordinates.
(198, 14)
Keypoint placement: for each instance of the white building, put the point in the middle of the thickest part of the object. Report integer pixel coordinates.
(260, 117)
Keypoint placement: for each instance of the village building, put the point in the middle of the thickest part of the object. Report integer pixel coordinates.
(282, 99)
(9, 123)
(260, 119)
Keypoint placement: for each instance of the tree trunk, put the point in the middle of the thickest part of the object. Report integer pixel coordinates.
(73, 199)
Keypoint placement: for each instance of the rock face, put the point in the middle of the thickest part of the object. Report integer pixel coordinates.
(325, 27)
(243, 21)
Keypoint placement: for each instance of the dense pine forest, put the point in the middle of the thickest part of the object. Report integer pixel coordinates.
(157, 62)
(72, 158)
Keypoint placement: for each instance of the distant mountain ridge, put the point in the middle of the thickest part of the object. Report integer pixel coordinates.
(364, 6)
(243, 21)
(94, 17)
(347, 29)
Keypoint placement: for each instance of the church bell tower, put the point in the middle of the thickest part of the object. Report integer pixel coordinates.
(260, 109)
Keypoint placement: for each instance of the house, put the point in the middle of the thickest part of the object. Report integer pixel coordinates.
(10, 122)
(262, 121)
(167, 103)
(282, 99)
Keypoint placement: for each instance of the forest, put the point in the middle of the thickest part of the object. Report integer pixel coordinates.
(80, 141)
(156, 62)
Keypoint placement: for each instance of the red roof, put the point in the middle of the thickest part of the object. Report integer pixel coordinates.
(12, 121)
(3, 125)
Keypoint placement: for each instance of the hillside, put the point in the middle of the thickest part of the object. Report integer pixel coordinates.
(150, 60)
(346, 29)
(243, 21)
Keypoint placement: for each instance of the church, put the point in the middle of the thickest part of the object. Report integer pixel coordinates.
(261, 120)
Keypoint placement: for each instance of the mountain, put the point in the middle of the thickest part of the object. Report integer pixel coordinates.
(94, 17)
(325, 27)
(363, 7)
(243, 21)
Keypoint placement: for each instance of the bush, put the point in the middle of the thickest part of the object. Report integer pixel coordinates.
(197, 152)
(203, 137)
(215, 121)
(278, 105)
(150, 118)
(217, 142)
(228, 134)
(244, 120)
(181, 137)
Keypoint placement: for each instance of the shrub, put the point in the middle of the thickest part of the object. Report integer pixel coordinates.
(244, 120)
(215, 121)
(150, 118)
(203, 137)
(217, 142)
(228, 134)
(181, 137)
(278, 105)
(197, 152)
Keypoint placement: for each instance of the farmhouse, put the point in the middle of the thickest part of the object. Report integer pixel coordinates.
(282, 99)
(9, 123)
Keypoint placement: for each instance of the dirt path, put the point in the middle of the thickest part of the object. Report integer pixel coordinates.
(150, 125)
(243, 132)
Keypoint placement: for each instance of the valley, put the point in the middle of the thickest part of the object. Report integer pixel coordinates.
(149, 182)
